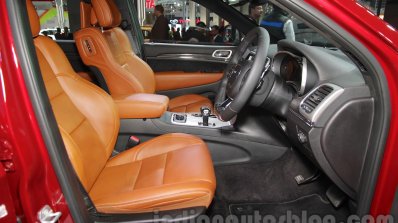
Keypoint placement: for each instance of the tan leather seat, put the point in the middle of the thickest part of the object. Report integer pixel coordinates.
(169, 172)
(110, 51)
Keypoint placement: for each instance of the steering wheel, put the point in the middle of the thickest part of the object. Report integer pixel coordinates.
(242, 74)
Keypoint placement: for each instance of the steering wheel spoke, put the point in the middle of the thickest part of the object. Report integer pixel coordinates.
(243, 73)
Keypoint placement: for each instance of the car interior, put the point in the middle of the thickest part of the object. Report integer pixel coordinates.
(216, 130)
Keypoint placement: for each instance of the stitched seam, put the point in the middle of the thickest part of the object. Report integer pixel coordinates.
(136, 179)
(164, 168)
(52, 98)
(76, 127)
(174, 148)
(102, 97)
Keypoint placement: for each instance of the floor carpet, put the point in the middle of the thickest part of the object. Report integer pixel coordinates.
(298, 210)
(270, 188)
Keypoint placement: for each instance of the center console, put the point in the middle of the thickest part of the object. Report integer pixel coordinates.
(253, 136)
(198, 120)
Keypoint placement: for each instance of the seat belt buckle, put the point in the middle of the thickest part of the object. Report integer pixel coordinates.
(132, 141)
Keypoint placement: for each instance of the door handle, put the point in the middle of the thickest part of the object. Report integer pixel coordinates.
(223, 54)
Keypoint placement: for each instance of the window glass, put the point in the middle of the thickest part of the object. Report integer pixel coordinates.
(280, 24)
(187, 21)
(54, 21)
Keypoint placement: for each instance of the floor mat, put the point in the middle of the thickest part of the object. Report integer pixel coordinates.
(269, 186)
(298, 210)
(267, 182)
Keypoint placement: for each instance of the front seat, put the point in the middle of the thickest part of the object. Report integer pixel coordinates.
(173, 171)
(108, 48)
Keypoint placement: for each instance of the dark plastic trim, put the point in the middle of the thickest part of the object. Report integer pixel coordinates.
(375, 79)
(99, 78)
(181, 215)
(394, 208)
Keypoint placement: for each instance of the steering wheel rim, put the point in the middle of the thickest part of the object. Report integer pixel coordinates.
(242, 75)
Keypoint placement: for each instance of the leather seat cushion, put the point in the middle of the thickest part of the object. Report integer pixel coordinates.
(168, 172)
(189, 103)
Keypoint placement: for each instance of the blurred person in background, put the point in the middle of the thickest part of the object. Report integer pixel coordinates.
(160, 30)
(255, 12)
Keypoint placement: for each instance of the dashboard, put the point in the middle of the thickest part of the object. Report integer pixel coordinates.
(292, 69)
(330, 113)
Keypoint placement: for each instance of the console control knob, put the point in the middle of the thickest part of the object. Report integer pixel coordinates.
(206, 112)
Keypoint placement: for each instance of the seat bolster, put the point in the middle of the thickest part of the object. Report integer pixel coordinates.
(169, 172)
(159, 145)
(190, 103)
(165, 197)
(33, 18)
(50, 50)
(88, 98)
(94, 51)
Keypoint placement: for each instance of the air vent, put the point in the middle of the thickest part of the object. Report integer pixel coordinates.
(316, 98)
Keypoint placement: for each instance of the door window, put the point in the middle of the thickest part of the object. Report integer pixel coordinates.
(280, 24)
(187, 22)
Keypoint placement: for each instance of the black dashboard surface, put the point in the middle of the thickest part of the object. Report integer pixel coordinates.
(330, 119)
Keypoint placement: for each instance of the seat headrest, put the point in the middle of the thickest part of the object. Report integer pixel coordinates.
(33, 18)
(107, 13)
(87, 16)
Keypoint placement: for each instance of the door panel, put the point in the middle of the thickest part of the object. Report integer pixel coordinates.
(177, 80)
(186, 57)
(187, 68)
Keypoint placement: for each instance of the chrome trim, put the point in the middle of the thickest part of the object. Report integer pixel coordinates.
(189, 57)
(193, 119)
(189, 44)
(317, 112)
(303, 76)
(226, 58)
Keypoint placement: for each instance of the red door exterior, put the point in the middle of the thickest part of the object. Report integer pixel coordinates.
(32, 181)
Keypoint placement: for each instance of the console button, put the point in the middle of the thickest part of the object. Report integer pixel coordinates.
(180, 118)
(302, 137)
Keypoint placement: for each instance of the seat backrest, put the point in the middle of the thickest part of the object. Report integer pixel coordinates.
(108, 48)
(86, 115)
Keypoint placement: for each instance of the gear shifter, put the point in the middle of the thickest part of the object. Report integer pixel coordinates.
(205, 111)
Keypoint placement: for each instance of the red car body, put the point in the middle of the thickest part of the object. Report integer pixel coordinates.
(28, 172)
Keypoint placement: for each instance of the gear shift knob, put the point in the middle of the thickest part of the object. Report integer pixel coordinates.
(205, 111)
